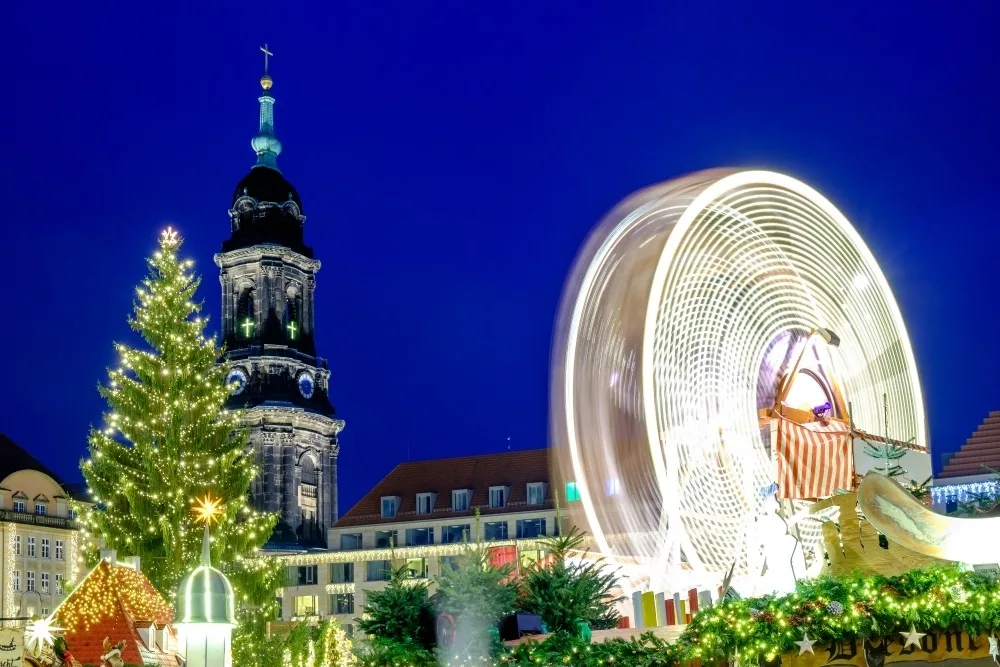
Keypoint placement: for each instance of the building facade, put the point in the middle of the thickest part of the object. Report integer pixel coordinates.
(268, 278)
(421, 516)
(967, 476)
(40, 540)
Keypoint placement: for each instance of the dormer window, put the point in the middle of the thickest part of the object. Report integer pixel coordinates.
(498, 496)
(460, 500)
(425, 503)
(536, 493)
(390, 505)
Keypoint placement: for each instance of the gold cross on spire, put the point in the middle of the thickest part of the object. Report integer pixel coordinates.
(266, 54)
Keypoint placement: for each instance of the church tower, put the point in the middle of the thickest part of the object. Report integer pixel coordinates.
(268, 277)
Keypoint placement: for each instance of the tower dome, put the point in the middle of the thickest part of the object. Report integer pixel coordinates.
(206, 596)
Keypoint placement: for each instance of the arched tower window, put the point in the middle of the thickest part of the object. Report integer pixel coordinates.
(246, 322)
(308, 471)
(293, 313)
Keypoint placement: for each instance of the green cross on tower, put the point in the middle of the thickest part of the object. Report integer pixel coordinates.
(293, 330)
(247, 327)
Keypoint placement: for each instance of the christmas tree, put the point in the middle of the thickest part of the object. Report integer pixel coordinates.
(168, 440)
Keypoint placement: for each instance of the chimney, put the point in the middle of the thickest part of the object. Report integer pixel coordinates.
(109, 555)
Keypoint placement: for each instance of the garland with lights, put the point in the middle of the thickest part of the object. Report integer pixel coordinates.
(169, 439)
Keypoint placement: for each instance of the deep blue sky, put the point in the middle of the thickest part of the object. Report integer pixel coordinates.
(451, 157)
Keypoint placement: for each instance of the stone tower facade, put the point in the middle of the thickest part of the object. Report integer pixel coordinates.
(268, 278)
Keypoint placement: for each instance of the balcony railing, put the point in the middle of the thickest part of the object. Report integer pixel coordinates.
(39, 519)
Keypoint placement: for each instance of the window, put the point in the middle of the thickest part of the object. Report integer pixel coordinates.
(350, 541)
(460, 500)
(18, 505)
(416, 537)
(45, 547)
(498, 497)
(59, 584)
(536, 493)
(342, 573)
(246, 323)
(454, 534)
(71, 513)
(425, 503)
(59, 549)
(307, 575)
(305, 605)
(17, 580)
(449, 563)
(293, 314)
(31, 580)
(17, 545)
(389, 507)
(41, 509)
(378, 570)
(342, 603)
(495, 530)
(416, 568)
(528, 528)
(572, 493)
(612, 487)
(531, 558)
(31, 547)
(45, 611)
(385, 539)
(45, 582)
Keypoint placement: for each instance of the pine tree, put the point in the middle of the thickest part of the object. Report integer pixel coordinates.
(887, 455)
(168, 440)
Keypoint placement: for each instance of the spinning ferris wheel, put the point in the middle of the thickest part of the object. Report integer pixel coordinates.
(721, 335)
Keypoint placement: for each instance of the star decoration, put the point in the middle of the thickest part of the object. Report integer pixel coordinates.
(806, 644)
(994, 648)
(208, 509)
(912, 637)
(169, 238)
(40, 635)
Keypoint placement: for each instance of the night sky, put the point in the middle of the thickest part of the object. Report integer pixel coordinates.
(451, 158)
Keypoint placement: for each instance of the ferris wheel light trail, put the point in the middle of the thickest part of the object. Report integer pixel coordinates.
(688, 306)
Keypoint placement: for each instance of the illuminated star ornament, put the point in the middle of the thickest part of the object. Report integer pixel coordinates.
(806, 644)
(169, 238)
(208, 510)
(40, 635)
(912, 637)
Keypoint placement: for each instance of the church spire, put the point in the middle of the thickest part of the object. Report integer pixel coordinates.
(265, 144)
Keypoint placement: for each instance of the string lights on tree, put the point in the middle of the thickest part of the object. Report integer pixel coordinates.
(168, 439)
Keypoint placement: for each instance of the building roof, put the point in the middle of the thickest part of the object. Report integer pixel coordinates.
(114, 602)
(441, 476)
(980, 451)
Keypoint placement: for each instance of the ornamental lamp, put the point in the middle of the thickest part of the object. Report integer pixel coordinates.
(206, 604)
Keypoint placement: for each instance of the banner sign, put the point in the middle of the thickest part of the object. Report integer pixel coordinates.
(12, 647)
(934, 647)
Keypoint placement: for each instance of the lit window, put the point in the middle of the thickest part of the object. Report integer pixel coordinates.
(498, 497)
(425, 503)
(416, 568)
(305, 605)
(460, 500)
(45, 547)
(19, 506)
(389, 507)
(572, 493)
(41, 509)
(536, 493)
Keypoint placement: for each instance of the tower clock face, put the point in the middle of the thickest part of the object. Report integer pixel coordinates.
(306, 385)
(237, 379)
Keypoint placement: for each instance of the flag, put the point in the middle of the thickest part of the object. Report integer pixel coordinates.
(813, 460)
